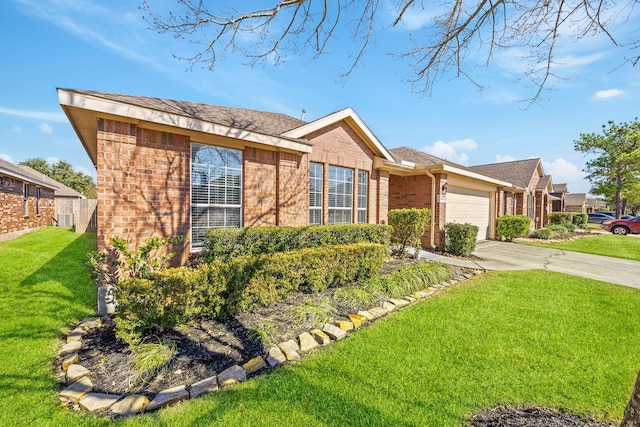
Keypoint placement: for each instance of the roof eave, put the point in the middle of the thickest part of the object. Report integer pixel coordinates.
(26, 178)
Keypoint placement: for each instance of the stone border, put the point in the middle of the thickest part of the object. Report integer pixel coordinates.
(78, 390)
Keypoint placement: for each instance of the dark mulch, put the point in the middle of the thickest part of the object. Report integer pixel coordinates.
(530, 416)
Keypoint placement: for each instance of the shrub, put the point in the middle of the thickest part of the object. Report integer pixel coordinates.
(353, 297)
(580, 219)
(512, 226)
(557, 228)
(409, 225)
(460, 239)
(407, 279)
(542, 233)
(315, 313)
(560, 218)
(217, 290)
(571, 227)
(228, 243)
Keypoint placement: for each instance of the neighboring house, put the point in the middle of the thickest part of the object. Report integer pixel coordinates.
(559, 191)
(26, 200)
(531, 188)
(168, 167)
(594, 205)
(575, 202)
(453, 192)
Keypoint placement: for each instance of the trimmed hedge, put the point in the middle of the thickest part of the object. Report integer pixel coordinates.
(460, 239)
(512, 226)
(220, 289)
(408, 227)
(580, 219)
(229, 243)
(560, 218)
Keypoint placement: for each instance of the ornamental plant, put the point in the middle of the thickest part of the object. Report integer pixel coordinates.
(409, 225)
(460, 239)
(513, 226)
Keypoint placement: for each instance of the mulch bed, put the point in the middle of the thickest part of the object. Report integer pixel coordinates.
(530, 416)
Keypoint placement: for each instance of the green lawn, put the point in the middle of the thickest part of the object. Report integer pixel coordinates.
(536, 337)
(625, 247)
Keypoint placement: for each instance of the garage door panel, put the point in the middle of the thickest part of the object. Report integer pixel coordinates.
(465, 205)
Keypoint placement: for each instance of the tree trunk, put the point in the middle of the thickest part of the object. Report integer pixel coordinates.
(632, 413)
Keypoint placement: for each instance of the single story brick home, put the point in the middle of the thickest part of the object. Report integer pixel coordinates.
(576, 202)
(26, 200)
(167, 167)
(531, 192)
(453, 192)
(559, 192)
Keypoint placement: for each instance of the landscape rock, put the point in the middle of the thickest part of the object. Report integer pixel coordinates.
(232, 375)
(168, 397)
(90, 323)
(68, 348)
(98, 402)
(307, 342)
(410, 299)
(75, 372)
(69, 360)
(416, 295)
(334, 332)
(388, 306)
(367, 314)
(290, 349)
(345, 325)
(320, 337)
(358, 320)
(399, 302)
(275, 354)
(377, 312)
(204, 386)
(130, 405)
(75, 391)
(254, 365)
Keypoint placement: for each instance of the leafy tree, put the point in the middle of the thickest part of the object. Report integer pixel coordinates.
(63, 172)
(618, 157)
(455, 36)
(631, 196)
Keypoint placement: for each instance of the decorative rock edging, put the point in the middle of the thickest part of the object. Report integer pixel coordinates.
(78, 391)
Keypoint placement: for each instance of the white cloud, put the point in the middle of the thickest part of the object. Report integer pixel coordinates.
(45, 128)
(52, 160)
(6, 157)
(452, 150)
(36, 115)
(562, 171)
(89, 172)
(504, 158)
(609, 93)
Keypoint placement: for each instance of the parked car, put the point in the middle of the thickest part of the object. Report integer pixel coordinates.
(613, 214)
(622, 226)
(598, 217)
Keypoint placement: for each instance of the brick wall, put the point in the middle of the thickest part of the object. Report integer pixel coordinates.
(260, 196)
(143, 184)
(13, 221)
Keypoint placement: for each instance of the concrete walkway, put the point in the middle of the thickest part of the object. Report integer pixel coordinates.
(512, 256)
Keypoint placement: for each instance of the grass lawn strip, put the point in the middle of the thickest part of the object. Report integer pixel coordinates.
(610, 245)
(537, 338)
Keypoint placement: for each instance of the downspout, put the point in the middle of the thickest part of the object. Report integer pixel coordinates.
(433, 208)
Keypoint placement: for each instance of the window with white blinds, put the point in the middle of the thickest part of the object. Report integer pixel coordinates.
(315, 193)
(340, 195)
(363, 191)
(216, 190)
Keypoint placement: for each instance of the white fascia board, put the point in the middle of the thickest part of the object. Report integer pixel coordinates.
(347, 113)
(474, 175)
(26, 178)
(105, 106)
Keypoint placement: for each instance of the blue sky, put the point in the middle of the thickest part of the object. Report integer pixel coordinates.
(106, 46)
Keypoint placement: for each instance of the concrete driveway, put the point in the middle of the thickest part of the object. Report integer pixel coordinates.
(513, 256)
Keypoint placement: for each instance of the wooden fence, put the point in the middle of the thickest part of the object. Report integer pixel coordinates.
(84, 213)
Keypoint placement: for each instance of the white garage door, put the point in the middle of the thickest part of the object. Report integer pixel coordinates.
(464, 205)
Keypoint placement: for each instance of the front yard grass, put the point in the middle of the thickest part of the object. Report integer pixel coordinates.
(625, 247)
(531, 337)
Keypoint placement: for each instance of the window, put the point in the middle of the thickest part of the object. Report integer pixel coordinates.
(340, 195)
(25, 199)
(37, 200)
(216, 190)
(363, 189)
(315, 193)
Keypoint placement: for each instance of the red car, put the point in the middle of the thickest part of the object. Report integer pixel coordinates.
(622, 226)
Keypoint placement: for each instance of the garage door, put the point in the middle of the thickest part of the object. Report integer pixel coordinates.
(464, 205)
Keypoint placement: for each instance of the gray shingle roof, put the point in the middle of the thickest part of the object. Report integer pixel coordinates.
(240, 118)
(420, 157)
(61, 191)
(518, 172)
(27, 174)
(560, 188)
(575, 199)
(543, 182)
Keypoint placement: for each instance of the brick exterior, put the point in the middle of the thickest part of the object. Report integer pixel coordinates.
(14, 222)
(144, 181)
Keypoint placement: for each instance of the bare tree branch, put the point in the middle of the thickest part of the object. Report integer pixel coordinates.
(465, 35)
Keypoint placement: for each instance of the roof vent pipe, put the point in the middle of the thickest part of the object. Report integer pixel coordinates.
(303, 113)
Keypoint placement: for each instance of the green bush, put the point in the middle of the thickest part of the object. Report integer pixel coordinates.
(560, 218)
(570, 227)
(408, 279)
(512, 226)
(557, 228)
(542, 233)
(460, 239)
(580, 219)
(228, 243)
(409, 225)
(220, 289)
